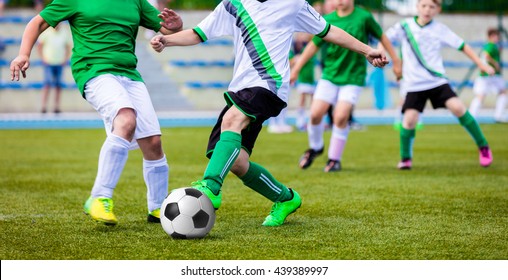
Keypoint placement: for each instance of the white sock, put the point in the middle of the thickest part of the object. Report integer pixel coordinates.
(281, 118)
(156, 174)
(300, 118)
(337, 142)
(475, 106)
(315, 134)
(112, 159)
(500, 105)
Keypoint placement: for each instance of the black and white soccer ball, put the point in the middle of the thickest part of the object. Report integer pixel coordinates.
(187, 213)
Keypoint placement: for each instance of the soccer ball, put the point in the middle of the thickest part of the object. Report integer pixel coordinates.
(187, 213)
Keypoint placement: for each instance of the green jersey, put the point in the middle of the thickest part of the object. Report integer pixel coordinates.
(493, 51)
(104, 34)
(342, 66)
(306, 75)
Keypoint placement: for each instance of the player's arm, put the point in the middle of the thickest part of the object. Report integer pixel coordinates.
(492, 61)
(310, 50)
(384, 43)
(171, 22)
(32, 31)
(472, 55)
(183, 38)
(340, 37)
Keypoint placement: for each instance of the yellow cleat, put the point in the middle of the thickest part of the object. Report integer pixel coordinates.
(154, 216)
(101, 210)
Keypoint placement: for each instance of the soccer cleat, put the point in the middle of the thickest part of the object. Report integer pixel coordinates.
(203, 187)
(308, 157)
(101, 210)
(282, 209)
(485, 156)
(405, 164)
(333, 166)
(154, 216)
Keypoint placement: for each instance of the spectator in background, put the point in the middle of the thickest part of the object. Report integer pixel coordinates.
(3, 3)
(54, 48)
(38, 5)
(485, 84)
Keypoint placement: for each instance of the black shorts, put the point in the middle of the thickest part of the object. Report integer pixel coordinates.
(438, 97)
(257, 103)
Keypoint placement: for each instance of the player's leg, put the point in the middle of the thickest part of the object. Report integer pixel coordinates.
(325, 95)
(148, 136)
(501, 101)
(471, 125)
(413, 106)
(258, 178)
(480, 89)
(223, 148)
(348, 96)
(46, 88)
(108, 96)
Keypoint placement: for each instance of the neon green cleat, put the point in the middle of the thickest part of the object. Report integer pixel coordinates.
(280, 210)
(101, 210)
(154, 216)
(203, 187)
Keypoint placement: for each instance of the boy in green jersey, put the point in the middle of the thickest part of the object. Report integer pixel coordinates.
(103, 64)
(343, 78)
(485, 84)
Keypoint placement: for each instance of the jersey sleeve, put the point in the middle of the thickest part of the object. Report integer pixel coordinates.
(217, 24)
(58, 10)
(310, 21)
(395, 33)
(450, 39)
(149, 16)
(373, 27)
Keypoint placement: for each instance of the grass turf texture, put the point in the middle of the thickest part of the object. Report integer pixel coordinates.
(447, 207)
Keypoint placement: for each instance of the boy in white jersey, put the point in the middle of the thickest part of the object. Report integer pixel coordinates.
(485, 84)
(262, 33)
(421, 41)
(341, 83)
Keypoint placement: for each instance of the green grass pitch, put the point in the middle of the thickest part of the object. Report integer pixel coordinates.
(447, 207)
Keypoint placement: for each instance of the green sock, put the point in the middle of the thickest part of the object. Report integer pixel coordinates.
(260, 180)
(407, 137)
(224, 155)
(471, 125)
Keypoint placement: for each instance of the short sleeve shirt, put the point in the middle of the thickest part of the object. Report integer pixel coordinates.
(430, 39)
(104, 34)
(342, 66)
(262, 34)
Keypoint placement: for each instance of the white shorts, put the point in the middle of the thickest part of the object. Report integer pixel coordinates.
(488, 84)
(108, 94)
(305, 88)
(332, 93)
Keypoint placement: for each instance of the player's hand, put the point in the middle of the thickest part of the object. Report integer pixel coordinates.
(171, 20)
(397, 69)
(158, 43)
(488, 69)
(20, 63)
(293, 76)
(377, 58)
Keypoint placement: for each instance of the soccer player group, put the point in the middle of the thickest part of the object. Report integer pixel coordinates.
(104, 67)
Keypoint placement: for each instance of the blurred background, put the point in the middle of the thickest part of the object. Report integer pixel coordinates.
(193, 78)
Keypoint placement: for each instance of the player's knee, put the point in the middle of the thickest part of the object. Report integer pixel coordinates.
(125, 122)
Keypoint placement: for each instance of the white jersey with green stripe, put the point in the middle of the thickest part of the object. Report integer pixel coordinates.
(422, 61)
(262, 33)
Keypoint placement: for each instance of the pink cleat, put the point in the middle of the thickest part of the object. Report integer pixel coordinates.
(485, 156)
(405, 164)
